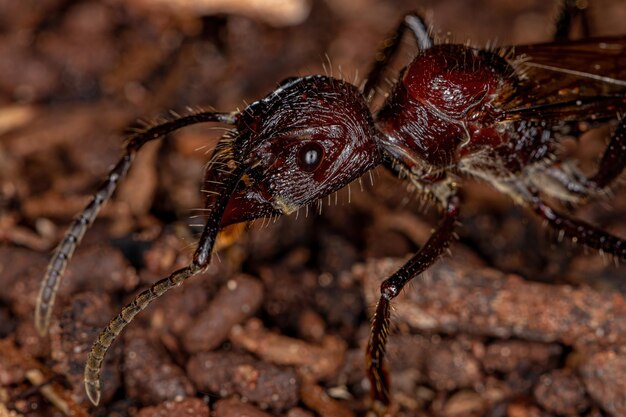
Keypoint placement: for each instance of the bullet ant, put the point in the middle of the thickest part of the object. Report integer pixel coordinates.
(455, 112)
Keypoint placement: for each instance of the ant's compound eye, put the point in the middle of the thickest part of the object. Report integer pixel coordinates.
(310, 156)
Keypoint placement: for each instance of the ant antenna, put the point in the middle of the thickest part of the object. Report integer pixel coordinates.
(64, 251)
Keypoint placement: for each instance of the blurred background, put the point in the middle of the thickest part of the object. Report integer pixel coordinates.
(75, 75)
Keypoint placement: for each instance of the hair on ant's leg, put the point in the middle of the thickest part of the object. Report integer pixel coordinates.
(65, 249)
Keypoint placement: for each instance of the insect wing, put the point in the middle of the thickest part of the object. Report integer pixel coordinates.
(574, 81)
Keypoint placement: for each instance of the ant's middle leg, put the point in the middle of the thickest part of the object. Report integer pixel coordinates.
(390, 288)
(415, 23)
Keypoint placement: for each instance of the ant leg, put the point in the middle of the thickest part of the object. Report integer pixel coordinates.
(569, 11)
(611, 165)
(523, 193)
(201, 260)
(411, 21)
(579, 231)
(614, 158)
(75, 233)
(389, 289)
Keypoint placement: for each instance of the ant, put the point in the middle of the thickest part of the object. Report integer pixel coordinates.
(455, 112)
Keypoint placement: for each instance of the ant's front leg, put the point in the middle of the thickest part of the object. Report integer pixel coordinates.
(390, 288)
(201, 258)
(65, 249)
(415, 23)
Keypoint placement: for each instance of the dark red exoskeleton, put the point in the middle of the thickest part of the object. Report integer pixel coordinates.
(455, 112)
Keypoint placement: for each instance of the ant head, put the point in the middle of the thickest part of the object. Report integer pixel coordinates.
(307, 139)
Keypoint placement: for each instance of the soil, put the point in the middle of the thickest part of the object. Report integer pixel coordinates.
(512, 323)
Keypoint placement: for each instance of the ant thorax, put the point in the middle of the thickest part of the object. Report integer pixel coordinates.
(442, 107)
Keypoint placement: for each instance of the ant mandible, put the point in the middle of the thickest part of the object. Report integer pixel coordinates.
(455, 112)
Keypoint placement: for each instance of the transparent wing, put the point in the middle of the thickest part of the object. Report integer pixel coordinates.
(574, 81)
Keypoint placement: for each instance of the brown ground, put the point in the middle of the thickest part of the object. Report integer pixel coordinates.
(512, 324)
